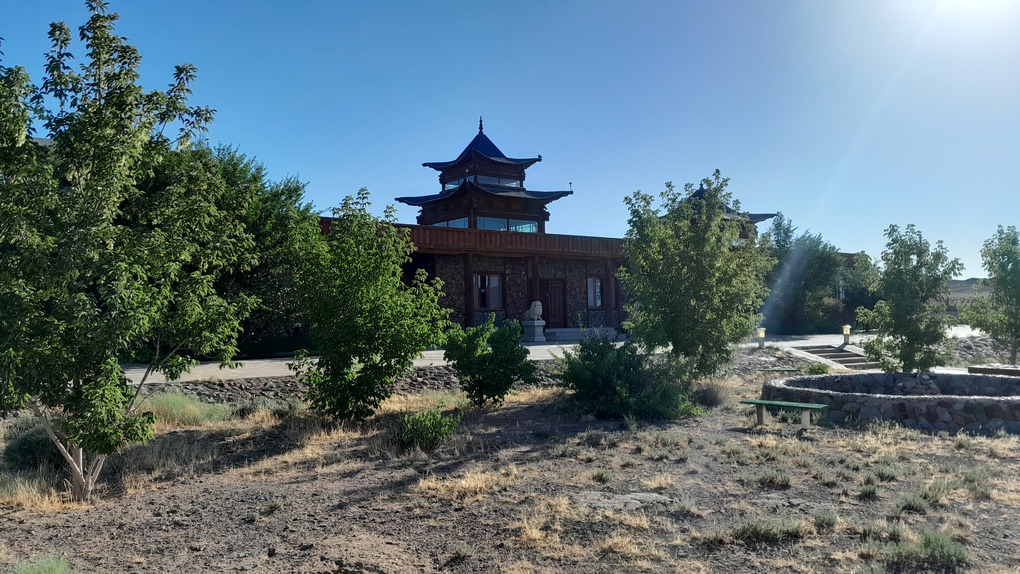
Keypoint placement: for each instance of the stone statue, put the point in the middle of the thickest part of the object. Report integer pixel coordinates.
(535, 312)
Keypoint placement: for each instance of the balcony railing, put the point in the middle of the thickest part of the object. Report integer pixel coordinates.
(451, 240)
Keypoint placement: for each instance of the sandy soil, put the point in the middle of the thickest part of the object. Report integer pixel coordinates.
(526, 488)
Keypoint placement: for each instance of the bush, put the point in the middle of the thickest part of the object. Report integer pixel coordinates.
(935, 551)
(620, 381)
(426, 430)
(177, 409)
(487, 374)
(818, 369)
(29, 447)
(279, 409)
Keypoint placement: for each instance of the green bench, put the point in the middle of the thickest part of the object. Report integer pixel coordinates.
(805, 409)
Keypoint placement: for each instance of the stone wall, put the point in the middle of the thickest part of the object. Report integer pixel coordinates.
(930, 402)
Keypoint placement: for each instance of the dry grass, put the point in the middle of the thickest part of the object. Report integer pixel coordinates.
(627, 546)
(34, 491)
(638, 521)
(471, 486)
(659, 482)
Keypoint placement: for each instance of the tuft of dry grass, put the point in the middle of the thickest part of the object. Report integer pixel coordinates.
(637, 521)
(659, 482)
(625, 545)
(34, 491)
(472, 485)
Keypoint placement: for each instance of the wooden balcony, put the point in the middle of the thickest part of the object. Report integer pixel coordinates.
(452, 241)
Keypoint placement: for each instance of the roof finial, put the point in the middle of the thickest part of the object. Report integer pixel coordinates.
(479, 124)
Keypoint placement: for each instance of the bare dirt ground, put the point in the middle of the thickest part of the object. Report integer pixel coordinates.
(527, 488)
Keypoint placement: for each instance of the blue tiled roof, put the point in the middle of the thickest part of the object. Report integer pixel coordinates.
(494, 190)
(483, 146)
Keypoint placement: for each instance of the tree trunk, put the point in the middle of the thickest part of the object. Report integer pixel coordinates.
(83, 476)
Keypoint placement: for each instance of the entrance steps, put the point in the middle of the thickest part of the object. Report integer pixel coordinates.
(843, 356)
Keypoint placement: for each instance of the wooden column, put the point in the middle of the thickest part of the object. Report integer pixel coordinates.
(536, 289)
(469, 291)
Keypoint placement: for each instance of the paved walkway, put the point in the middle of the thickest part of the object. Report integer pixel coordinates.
(539, 351)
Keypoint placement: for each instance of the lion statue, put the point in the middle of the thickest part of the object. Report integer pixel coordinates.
(535, 312)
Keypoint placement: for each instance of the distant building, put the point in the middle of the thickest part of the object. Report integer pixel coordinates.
(484, 234)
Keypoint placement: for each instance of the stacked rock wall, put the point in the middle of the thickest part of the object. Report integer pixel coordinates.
(930, 402)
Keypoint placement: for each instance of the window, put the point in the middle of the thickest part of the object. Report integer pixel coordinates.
(453, 184)
(488, 292)
(523, 226)
(460, 222)
(594, 292)
(503, 181)
(504, 224)
(493, 223)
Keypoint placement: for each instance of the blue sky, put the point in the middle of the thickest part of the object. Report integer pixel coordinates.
(846, 115)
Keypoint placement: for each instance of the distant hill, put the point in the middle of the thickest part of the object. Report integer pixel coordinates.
(967, 288)
(963, 290)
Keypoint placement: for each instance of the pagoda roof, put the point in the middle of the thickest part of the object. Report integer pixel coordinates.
(730, 213)
(481, 145)
(546, 196)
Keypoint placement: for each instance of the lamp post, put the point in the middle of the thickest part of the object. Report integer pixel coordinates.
(846, 334)
(761, 337)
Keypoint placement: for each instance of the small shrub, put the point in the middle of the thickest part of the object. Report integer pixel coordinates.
(177, 409)
(426, 430)
(602, 476)
(613, 382)
(818, 369)
(934, 551)
(768, 530)
(770, 478)
(936, 491)
(825, 520)
(913, 503)
(868, 492)
(29, 447)
(489, 361)
(280, 409)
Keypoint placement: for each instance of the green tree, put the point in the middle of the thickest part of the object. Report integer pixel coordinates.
(284, 230)
(695, 273)
(112, 238)
(999, 316)
(911, 316)
(369, 323)
(489, 361)
(804, 288)
(858, 283)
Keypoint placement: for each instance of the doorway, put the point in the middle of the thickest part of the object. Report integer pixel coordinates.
(553, 303)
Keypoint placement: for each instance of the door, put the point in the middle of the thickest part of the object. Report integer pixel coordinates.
(554, 309)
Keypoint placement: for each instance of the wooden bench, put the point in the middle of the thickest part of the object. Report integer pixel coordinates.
(805, 409)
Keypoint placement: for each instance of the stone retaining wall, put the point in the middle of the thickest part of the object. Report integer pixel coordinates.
(930, 402)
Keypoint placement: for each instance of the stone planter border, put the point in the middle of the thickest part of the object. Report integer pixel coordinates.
(932, 402)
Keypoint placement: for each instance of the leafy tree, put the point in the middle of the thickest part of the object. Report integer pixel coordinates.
(910, 317)
(489, 361)
(999, 316)
(695, 274)
(112, 238)
(284, 230)
(369, 324)
(804, 288)
(859, 282)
